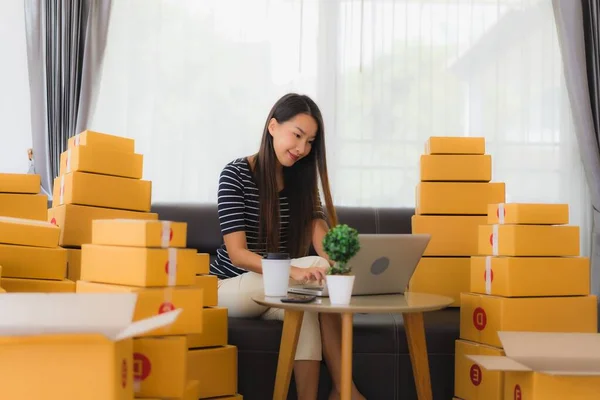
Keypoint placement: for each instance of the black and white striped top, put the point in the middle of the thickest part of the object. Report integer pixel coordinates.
(239, 211)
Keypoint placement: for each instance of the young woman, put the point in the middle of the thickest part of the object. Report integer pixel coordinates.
(269, 202)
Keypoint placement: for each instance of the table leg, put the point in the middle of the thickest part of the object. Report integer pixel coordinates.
(415, 334)
(292, 322)
(346, 388)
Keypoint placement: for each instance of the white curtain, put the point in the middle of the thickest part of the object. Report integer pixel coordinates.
(192, 82)
(15, 120)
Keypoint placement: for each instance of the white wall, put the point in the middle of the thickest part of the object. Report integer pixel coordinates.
(15, 122)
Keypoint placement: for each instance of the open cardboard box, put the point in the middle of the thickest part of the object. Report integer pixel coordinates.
(70, 346)
(547, 366)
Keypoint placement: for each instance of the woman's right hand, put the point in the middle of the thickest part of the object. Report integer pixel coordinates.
(304, 275)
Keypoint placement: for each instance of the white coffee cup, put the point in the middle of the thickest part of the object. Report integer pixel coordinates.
(276, 274)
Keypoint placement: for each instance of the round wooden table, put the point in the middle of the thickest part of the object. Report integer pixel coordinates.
(411, 305)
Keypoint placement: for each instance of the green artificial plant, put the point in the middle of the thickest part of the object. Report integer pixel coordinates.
(341, 244)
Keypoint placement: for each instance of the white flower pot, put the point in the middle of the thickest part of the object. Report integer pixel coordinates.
(340, 288)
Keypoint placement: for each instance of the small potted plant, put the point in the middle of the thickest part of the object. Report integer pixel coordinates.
(341, 244)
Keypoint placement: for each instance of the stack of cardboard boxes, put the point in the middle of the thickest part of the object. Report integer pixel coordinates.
(20, 197)
(211, 360)
(29, 253)
(150, 258)
(116, 245)
(528, 277)
(99, 178)
(451, 202)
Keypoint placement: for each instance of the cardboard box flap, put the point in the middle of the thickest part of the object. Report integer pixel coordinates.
(550, 353)
(528, 345)
(149, 324)
(109, 314)
(498, 363)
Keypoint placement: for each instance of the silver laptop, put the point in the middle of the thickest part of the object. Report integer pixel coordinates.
(384, 265)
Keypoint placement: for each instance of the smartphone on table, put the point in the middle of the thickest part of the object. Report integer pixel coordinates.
(298, 298)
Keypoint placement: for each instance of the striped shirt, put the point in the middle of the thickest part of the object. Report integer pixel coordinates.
(239, 209)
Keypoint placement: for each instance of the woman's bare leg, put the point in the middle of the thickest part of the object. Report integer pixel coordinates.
(306, 375)
(331, 337)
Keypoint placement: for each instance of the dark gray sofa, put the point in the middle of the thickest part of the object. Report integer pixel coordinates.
(381, 367)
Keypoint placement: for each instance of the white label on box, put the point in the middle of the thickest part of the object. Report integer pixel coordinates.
(172, 272)
(488, 275)
(501, 213)
(165, 237)
(495, 240)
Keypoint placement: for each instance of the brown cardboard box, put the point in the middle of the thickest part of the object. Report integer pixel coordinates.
(103, 141)
(548, 366)
(455, 145)
(446, 276)
(20, 285)
(28, 206)
(529, 240)
(482, 316)
(209, 285)
(74, 264)
(102, 191)
(451, 235)
(471, 381)
(214, 332)
(139, 233)
(20, 183)
(203, 266)
(58, 361)
(101, 161)
(33, 262)
(530, 276)
(215, 369)
(155, 301)
(456, 168)
(457, 198)
(75, 221)
(528, 213)
(160, 366)
(192, 392)
(28, 232)
(138, 266)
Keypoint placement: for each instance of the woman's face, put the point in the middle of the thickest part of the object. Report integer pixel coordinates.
(293, 139)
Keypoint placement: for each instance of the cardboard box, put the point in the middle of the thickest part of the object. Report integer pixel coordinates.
(528, 213)
(455, 145)
(75, 221)
(209, 285)
(160, 366)
(214, 332)
(101, 161)
(20, 183)
(471, 381)
(138, 266)
(155, 301)
(139, 233)
(457, 198)
(192, 392)
(528, 240)
(482, 316)
(547, 366)
(28, 232)
(86, 353)
(530, 276)
(20, 285)
(446, 276)
(74, 264)
(102, 191)
(203, 264)
(450, 235)
(215, 369)
(456, 168)
(27, 206)
(33, 262)
(102, 141)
